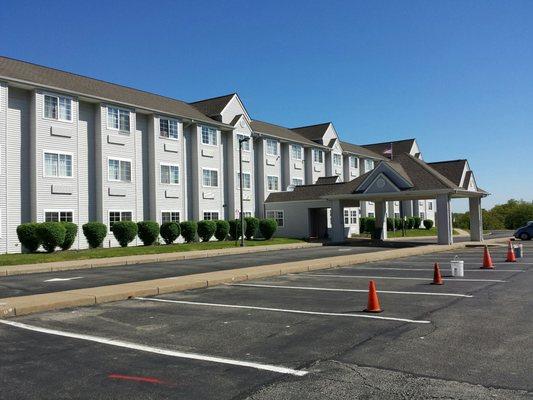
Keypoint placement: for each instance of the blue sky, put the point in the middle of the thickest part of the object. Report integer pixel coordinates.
(457, 75)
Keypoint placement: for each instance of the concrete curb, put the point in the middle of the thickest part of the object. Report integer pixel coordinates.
(22, 269)
(23, 305)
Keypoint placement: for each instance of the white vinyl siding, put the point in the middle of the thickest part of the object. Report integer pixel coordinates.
(296, 152)
(58, 107)
(170, 174)
(272, 147)
(168, 128)
(246, 180)
(209, 136)
(277, 215)
(246, 144)
(209, 177)
(118, 119)
(119, 170)
(57, 165)
(210, 215)
(58, 216)
(272, 183)
(354, 162)
(170, 216)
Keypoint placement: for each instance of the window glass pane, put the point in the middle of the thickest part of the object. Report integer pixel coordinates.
(50, 164)
(65, 216)
(65, 111)
(163, 127)
(125, 171)
(124, 120)
(126, 216)
(65, 165)
(296, 152)
(272, 147)
(114, 170)
(50, 107)
(112, 117)
(209, 135)
(51, 216)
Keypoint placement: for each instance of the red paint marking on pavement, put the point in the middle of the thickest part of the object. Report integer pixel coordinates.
(145, 379)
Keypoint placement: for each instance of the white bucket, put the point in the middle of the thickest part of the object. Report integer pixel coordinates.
(458, 267)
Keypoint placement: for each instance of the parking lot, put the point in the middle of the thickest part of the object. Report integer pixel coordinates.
(300, 336)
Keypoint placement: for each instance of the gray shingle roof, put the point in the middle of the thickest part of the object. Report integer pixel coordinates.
(313, 132)
(214, 106)
(360, 151)
(398, 146)
(452, 169)
(280, 132)
(67, 82)
(327, 180)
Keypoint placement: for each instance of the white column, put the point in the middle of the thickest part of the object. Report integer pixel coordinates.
(337, 221)
(444, 219)
(476, 219)
(381, 218)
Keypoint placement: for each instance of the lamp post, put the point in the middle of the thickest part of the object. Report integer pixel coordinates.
(241, 141)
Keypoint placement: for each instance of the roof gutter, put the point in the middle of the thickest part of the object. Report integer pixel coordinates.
(405, 195)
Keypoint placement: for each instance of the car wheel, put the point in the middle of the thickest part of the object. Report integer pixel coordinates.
(524, 236)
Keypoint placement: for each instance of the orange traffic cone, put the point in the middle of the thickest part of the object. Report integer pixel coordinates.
(487, 259)
(373, 301)
(511, 257)
(437, 278)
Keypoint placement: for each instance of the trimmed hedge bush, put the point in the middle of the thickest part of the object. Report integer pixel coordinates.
(27, 234)
(188, 230)
(268, 227)
(148, 232)
(370, 224)
(428, 224)
(71, 231)
(362, 224)
(235, 229)
(206, 229)
(95, 233)
(222, 229)
(124, 232)
(399, 223)
(51, 234)
(170, 231)
(410, 223)
(418, 221)
(389, 223)
(251, 225)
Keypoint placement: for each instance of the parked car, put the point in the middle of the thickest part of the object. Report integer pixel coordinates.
(525, 232)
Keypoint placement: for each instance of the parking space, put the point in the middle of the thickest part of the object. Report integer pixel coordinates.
(252, 338)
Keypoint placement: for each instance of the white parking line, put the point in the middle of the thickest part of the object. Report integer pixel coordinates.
(347, 290)
(157, 350)
(467, 262)
(329, 314)
(63, 279)
(397, 277)
(429, 269)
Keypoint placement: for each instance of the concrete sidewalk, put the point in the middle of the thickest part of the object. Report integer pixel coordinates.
(15, 306)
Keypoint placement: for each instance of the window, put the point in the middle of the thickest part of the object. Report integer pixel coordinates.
(369, 165)
(246, 180)
(58, 216)
(346, 217)
(296, 152)
(337, 160)
(353, 217)
(170, 216)
(170, 174)
(116, 216)
(247, 214)
(58, 165)
(277, 215)
(119, 170)
(422, 215)
(272, 147)
(318, 156)
(58, 107)
(210, 215)
(245, 145)
(210, 177)
(118, 119)
(168, 128)
(430, 205)
(209, 136)
(297, 181)
(354, 162)
(273, 183)
(371, 215)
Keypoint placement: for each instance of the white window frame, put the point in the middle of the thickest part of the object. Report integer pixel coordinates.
(171, 212)
(367, 162)
(297, 184)
(120, 110)
(237, 176)
(170, 120)
(215, 136)
(58, 211)
(56, 96)
(430, 205)
(268, 148)
(337, 157)
(268, 183)
(315, 152)
(120, 171)
(120, 212)
(346, 216)
(353, 217)
(240, 136)
(300, 148)
(58, 153)
(218, 177)
(163, 164)
(276, 217)
(354, 162)
(210, 212)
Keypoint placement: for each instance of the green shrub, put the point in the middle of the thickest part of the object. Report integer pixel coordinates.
(170, 231)
(235, 229)
(410, 223)
(251, 225)
(71, 231)
(390, 223)
(188, 230)
(52, 235)
(417, 222)
(95, 233)
(268, 227)
(148, 232)
(222, 230)
(27, 234)
(362, 224)
(428, 224)
(399, 222)
(206, 230)
(124, 232)
(370, 224)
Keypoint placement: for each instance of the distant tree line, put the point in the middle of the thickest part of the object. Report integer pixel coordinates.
(511, 215)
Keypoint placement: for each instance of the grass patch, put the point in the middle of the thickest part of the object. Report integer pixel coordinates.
(37, 258)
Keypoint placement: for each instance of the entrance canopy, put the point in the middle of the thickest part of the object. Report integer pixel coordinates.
(404, 178)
